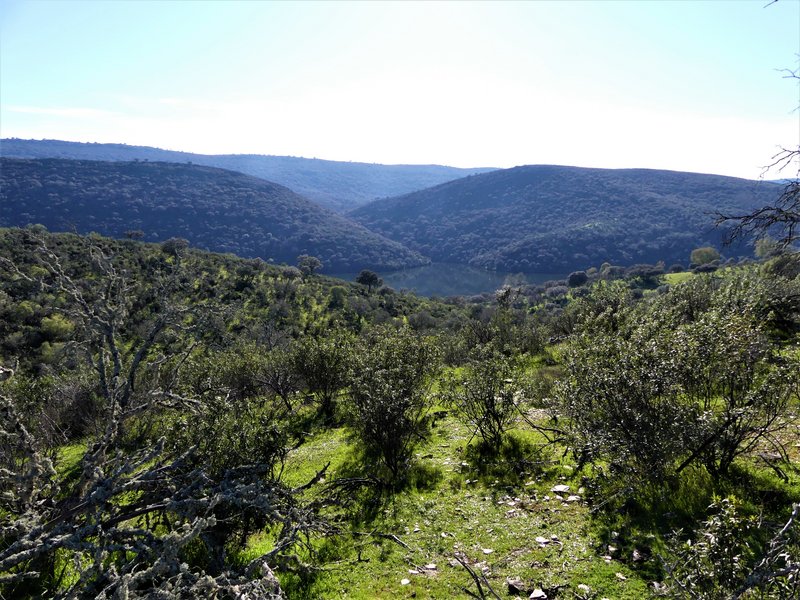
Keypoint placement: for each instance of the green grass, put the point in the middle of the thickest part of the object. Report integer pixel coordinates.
(454, 508)
(676, 278)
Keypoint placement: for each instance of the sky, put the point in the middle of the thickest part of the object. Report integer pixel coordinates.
(688, 85)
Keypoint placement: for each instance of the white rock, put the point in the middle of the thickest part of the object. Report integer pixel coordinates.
(560, 489)
(487, 550)
(538, 594)
(542, 540)
(431, 566)
(405, 581)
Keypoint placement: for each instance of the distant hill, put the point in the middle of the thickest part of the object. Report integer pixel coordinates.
(340, 186)
(214, 209)
(556, 219)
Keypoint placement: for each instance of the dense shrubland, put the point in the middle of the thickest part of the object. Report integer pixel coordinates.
(182, 423)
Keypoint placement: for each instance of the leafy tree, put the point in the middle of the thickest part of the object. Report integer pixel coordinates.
(279, 374)
(369, 279)
(308, 265)
(704, 255)
(324, 364)
(577, 278)
(766, 247)
(728, 557)
(174, 246)
(391, 377)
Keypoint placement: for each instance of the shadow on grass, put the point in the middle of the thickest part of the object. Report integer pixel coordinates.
(639, 520)
(362, 488)
(511, 465)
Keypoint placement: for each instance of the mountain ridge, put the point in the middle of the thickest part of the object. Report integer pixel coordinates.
(337, 185)
(215, 209)
(554, 218)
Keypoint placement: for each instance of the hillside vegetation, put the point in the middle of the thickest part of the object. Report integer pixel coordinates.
(212, 208)
(177, 423)
(557, 219)
(340, 186)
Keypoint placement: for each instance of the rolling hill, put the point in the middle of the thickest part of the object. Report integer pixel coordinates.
(555, 219)
(214, 209)
(340, 186)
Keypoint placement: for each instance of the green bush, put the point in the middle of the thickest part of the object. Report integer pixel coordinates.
(389, 396)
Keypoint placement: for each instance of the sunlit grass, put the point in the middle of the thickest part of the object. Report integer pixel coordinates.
(676, 278)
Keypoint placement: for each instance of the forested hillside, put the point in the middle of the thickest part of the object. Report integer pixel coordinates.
(212, 208)
(340, 186)
(556, 219)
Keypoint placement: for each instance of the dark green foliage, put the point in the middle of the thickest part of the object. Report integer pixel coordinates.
(339, 186)
(577, 278)
(559, 219)
(173, 246)
(392, 373)
(211, 208)
(369, 279)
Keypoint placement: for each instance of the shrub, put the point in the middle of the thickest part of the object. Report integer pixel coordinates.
(484, 395)
(389, 397)
(577, 278)
(704, 255)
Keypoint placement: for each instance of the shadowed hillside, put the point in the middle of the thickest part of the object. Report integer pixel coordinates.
(554, 219)
(340, 186)
(212, 208)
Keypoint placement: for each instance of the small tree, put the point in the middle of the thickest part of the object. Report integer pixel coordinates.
(369, 279)
(308, 265)
(389, 393)
(324, 365)
(704, 255)
(484, 395)
(577, 279)
(174, 246)
(279, 374)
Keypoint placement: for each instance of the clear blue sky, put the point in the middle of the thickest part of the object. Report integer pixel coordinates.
(678, 85)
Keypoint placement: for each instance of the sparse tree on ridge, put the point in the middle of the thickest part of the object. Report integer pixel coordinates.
(308, 265)
(369, 279)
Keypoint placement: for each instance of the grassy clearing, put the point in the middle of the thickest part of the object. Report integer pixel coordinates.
(502, 519)
(676, 278)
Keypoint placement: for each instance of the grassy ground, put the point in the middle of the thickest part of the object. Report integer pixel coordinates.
(676, 278)
(503, 520)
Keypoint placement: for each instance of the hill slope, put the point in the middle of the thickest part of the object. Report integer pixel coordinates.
(340, 186)
(555, 219)
(212, 208)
